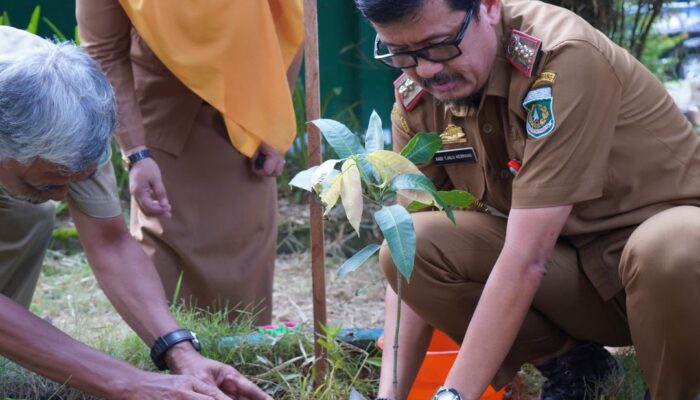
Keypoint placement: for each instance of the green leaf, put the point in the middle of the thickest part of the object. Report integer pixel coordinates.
(397, 228)
(344, 142)
(452, 199)
(374, 138)
(33, 26)
(390, 165)
(302, 180)
(368, 172)
(417, 206)
(5, 19)
(59, 35)
(416, 187)
(422, 147)
(457, 198)
(354, 262)
(351, 194)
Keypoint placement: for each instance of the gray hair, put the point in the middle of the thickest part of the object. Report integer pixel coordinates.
(55, 104)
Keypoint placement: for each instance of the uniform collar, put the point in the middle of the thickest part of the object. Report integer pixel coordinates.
(499, 81)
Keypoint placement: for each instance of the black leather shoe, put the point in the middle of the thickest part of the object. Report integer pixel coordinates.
(578, 374)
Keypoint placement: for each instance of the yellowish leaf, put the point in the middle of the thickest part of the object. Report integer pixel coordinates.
(390, 164)
(417, 195)
(351, 193)
(330, 196)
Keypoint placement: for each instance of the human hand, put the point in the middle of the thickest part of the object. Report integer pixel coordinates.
(155, 386)
(184, 360)
(267, 161)
(146, 186)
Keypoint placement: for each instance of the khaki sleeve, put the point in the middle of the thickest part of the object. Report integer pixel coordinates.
(105, 33)
(97, 196)
(567, 164)
(401, 134)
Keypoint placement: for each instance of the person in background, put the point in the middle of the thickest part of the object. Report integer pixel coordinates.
(586, 227)
(57, 116)
(205, 117)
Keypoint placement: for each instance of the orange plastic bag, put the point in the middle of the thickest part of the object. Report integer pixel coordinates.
(441, 354)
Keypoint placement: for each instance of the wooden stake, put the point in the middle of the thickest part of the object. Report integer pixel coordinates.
(313, 111)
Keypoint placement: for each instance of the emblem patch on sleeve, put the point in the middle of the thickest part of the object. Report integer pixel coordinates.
(540, 113)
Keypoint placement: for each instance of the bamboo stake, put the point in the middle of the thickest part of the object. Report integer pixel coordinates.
(313, 111)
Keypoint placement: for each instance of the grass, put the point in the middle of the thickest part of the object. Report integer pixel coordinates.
(69, 297)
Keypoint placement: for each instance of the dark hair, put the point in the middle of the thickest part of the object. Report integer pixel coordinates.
(388, 11)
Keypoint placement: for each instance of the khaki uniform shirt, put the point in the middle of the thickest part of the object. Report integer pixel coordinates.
(617, 148)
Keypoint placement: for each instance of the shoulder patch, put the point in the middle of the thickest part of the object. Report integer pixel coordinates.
(522, 52)
(540, 112)
(408, 91)
(400, 118)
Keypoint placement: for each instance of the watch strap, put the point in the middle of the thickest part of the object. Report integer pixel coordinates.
(166, 342)
(132, 159)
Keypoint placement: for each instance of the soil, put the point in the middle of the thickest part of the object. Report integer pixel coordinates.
(355, 300)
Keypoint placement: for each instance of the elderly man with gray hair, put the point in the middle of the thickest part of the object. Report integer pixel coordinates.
(57, 114)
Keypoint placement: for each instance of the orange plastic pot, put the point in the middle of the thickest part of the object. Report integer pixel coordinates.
(441, 354)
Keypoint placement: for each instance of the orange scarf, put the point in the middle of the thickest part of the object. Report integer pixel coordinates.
(234, 54)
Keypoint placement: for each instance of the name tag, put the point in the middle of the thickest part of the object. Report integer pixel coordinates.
(453, 156)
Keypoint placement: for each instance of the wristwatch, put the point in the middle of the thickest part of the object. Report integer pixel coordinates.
(166, 342)
(444, 393)
(132, 159)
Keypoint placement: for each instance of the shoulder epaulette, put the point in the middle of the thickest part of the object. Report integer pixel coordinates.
(408, 91)
(522, 52)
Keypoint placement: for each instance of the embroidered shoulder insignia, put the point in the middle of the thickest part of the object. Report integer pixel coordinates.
(540, 112)
(546, 78)
(395, 112)
(408, 91)
(453, 134)
(522, 51)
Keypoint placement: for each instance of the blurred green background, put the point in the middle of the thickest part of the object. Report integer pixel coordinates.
(352, 83)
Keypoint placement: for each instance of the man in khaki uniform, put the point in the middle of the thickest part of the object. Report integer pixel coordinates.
(587, 225)
(57, 115)
(175, 72)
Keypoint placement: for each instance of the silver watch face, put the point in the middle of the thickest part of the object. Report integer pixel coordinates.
(447, 394)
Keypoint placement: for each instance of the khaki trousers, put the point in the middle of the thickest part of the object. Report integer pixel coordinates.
(453, 264)
(223, 232)
(25, 231)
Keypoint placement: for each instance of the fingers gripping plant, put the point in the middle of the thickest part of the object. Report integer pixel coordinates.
(370, 173)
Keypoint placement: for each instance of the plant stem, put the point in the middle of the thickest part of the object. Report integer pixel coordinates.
(396, 336)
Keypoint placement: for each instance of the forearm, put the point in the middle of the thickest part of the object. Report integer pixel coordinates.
(132, 285)
(125, 274)
(40, 347)
(531, 236)
(499, 315)
(414, 338)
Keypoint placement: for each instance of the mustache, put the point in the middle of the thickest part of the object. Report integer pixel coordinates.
(441, 78)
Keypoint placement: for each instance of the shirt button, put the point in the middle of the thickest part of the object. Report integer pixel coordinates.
(487, 128)
(505, 173)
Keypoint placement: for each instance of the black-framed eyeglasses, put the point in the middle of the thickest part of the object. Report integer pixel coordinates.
(438, 52)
